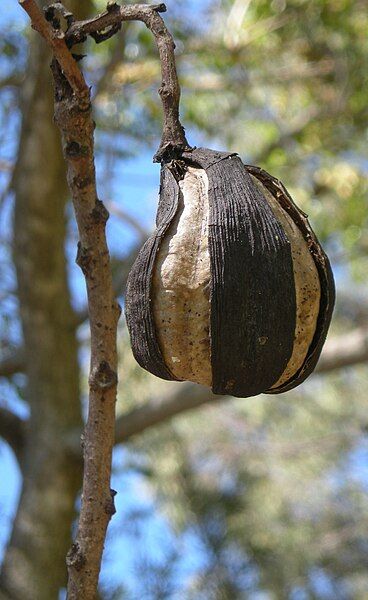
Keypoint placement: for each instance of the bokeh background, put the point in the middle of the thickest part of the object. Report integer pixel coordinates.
(262, 498)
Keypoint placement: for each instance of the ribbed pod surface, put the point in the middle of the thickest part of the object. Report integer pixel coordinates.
(233, 290)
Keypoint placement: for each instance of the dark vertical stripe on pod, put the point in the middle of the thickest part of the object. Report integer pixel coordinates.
(323, 266)
(138, 308)
(253, 303)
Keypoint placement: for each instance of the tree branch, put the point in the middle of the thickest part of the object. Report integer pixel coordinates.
(12, 364)
(344, 350)
(341, 351)
(12, 430)
(173, 136)
(182, 398)
(14, 80)
(55, 38)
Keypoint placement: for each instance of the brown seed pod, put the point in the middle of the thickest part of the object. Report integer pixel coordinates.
(233, 290)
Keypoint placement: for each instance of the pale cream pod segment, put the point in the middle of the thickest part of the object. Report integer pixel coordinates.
(181, 285)
(307, 287)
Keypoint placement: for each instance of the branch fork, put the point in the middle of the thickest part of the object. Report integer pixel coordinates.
(101, 28)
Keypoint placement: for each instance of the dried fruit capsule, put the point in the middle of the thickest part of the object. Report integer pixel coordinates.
(233, 290)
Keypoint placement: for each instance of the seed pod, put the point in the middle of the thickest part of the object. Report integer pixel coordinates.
(233, 290)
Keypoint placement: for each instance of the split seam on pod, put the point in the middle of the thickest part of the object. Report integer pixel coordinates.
(233, 289)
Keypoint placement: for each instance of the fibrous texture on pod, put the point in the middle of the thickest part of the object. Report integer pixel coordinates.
(233, 290)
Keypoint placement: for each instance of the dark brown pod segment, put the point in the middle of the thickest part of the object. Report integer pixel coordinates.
(327, 299)
(233, 289)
